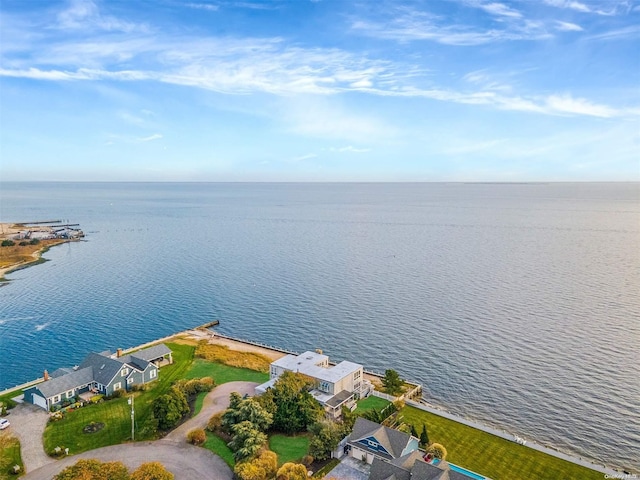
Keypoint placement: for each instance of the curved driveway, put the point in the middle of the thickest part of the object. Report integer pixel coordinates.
(185, 461)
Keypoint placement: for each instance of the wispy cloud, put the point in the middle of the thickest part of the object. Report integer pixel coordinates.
(349, 149)
(301, 158)
(85, 15)
(570, 4)
(568, 26)
(150, 138)
(203, 6)
(499, 9)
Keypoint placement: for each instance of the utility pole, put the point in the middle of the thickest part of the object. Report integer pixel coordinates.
(130, 402)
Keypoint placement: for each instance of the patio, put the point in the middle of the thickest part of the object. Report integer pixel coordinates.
(350, 469)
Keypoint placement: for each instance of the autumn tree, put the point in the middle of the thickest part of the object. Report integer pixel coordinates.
(263, 467)
(437, 451)
(151, 471)
(92, 469)
(292, 471)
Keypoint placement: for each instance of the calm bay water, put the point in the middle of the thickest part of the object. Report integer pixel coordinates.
(516, 305)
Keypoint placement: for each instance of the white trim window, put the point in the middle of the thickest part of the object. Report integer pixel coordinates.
(70, 394)
(153, 373)
(124, 372)
(56, 399)
(129, 380)
(117, 386)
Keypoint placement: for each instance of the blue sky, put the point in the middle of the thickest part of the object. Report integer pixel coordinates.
(326, 90)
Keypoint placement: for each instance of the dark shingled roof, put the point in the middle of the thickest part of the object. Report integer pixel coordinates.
(104, 368)
(60, 372)
(339, 399)
(56, 386)
(392, 440)
(381, 470)
(152, 353)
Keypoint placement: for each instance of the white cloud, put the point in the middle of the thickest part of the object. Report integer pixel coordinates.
(568, 27)
(349, 149)
(579, 106)
(308, 156)
(570, 4)
(150, 138)
(85, 15)
(500, 9)
(203, 6)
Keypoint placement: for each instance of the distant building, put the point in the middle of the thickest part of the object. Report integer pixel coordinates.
(102, 373)
(336, 385)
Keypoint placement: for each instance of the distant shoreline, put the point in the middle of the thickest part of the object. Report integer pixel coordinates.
(32, 252)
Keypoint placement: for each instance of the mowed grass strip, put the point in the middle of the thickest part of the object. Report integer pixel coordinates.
(233, 358)
(9, 454)
(289, 448)
(493, 456)
(116, 413)
(224, 373)
(371, 403)
(220, 448)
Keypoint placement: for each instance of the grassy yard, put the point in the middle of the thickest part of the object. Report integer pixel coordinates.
(220, 448)
(199, 401)
(9, 455)
(115, 414)
(493, 456)
(224, 373)
(371, 403)
(289, 448)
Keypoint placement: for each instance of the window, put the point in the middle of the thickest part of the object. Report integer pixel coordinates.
(274, 372)
(56, 399)
(124, 372)
(356, 386)
(153, 373)
(129, 380)
(70, 394)
(117, 386)
(356, 375)
(373, 444)
(324, 386)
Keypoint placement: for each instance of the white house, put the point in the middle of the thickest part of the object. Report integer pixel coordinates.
(336, 385)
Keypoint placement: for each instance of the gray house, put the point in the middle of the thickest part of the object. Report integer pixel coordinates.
(99, 373)
(370, 440)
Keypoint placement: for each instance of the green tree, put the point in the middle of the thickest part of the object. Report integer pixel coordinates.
(414, 432)
(169, 408)
(424, 436)
(296, 409)
(348, 420)
(247, 440)
(292, 471)
(392, 382)
(251, 411)
(326, 436)
(8, 243)
(92, 469)
(151, 471)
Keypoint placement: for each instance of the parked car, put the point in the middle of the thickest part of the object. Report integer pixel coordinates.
(4, 423)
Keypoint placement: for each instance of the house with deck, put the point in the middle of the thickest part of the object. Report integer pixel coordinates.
(335, 385)
(99, 373)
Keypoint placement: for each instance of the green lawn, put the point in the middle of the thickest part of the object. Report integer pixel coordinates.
(289, 448)
(220, 448)
(493, 456)
(224, 373)
(9, 455)
(199, 401)
(116, 414)
(371, 403)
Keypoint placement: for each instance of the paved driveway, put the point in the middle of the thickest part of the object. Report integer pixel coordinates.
(350, 469)
(27, 423)
(214, 402)
(185, 461)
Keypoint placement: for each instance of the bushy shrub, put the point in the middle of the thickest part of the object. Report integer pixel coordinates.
(197, 436)
(139, 387)
(195, 385)
(292, 471)
(437, 450)
(8, 243)
(34, 241)
(307, 460)
(23, 243)
(55, 416)
(151, 471)
(215, 422)
(116, 394)
(96, 398)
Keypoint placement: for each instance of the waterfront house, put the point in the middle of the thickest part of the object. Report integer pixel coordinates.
(413, 467)
(99, 373)
(370, 440)
(335, 385)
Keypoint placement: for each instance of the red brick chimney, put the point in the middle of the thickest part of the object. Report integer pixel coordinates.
(119, 353)
(46, 375)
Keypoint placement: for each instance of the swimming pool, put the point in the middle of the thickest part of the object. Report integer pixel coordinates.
(468, 473)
